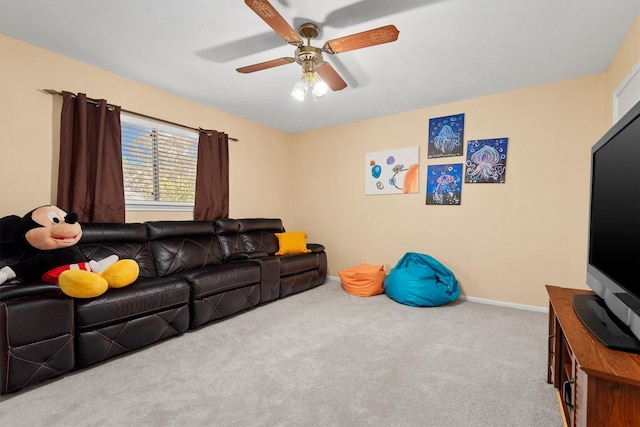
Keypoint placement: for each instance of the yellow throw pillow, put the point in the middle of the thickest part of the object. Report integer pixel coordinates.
(292, 242)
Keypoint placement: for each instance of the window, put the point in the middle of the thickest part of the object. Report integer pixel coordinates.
(627, 93)
(159, 165)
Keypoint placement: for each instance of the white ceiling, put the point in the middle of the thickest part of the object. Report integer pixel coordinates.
(448, 50)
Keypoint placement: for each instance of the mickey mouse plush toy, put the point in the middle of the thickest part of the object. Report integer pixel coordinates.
(49, 235)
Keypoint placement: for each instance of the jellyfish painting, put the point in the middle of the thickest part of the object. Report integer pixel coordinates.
(444, 184)
(446, 140)
(486, 161)
(446, 136)
(445, 188)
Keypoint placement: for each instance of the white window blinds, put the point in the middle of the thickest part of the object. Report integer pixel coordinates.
(159, 163)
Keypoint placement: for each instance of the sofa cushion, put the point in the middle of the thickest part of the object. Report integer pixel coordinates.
(258, 234)
(214, 279)
(228, 231)
(294, 264)
(127, 241)
(259, 241)
(183, 254)
(224, 304)
(296, 283)
(143, 296)
(179, 246)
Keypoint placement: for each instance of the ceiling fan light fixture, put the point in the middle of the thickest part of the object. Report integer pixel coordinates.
(308, 57)
(318, 87)
(309, 80)
(301, 88)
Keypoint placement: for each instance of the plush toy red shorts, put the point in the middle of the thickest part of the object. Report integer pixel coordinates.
(51, 276)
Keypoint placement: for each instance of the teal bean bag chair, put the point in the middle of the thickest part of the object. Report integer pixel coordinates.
(419, 280)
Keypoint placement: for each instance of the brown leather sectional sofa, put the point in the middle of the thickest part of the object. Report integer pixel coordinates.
(191, 273)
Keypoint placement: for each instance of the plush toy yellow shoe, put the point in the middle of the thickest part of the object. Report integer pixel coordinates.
(121, 273)
(82, 284)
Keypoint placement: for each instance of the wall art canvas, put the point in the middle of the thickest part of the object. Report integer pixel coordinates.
(446, 136)
(444, 184)
(392, 171)
(486, 161)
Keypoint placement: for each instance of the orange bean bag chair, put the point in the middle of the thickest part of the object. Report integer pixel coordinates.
(363, 280)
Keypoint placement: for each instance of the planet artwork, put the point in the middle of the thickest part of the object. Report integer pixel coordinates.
(392, 172)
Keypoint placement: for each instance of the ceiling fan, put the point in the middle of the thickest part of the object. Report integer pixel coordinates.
(310, 57)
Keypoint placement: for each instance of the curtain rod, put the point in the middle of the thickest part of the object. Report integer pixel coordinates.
(55, 92)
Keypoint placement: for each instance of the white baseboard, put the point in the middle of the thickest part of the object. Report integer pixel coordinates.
(506, 304)
(488, 301)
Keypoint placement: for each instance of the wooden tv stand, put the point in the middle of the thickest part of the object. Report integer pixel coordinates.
(596, 386)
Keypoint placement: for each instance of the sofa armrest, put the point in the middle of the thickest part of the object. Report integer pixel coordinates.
(15, 291)
(246, 255)
(315, 247)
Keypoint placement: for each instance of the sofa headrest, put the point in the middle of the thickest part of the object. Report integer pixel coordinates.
(173, 229)
(227, 226)
(261, 224)
(113, 233)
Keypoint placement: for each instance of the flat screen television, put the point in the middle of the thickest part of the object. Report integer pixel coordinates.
(613, 266)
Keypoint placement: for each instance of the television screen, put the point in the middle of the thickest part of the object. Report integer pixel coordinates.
(613, 267)
(614, 239)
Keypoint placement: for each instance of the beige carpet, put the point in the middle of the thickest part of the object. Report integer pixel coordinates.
(320, 358)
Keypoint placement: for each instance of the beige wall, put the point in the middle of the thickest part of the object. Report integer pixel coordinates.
(28, 134)
(503, 243)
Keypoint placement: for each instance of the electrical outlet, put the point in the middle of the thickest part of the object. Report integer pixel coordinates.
(387, 268)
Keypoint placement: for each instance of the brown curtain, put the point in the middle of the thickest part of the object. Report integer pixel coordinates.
(90, 180)
(212, 176)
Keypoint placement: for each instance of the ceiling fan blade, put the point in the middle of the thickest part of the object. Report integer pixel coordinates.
(386, 34)
(265, 65)
(271, 16)
(330, 76)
